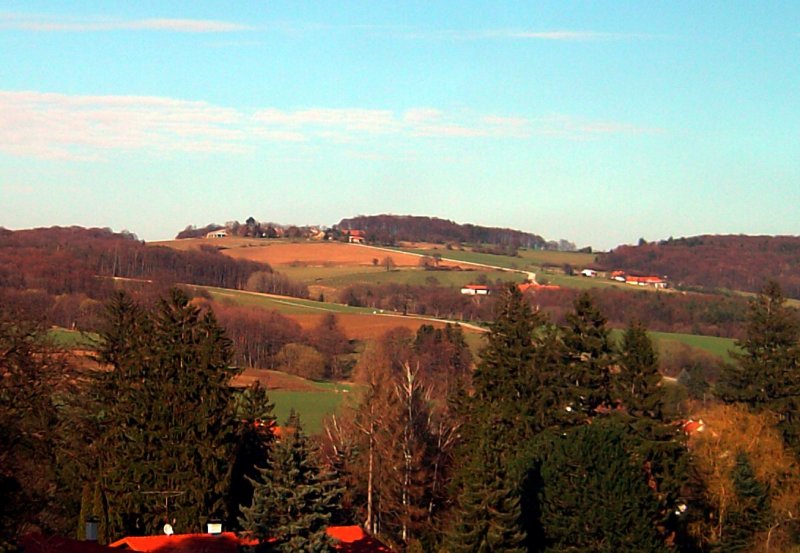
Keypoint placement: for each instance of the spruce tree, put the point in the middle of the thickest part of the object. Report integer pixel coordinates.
(639, 382)
(254, 440)
(503, 380)
(751, 514)
(588, 358)
(293, 498)
(593, 496)
(766, 374)
(488, 519)
(165, 416)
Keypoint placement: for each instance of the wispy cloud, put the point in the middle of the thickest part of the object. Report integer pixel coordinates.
(60, 126)
(38, 23)
(575, 128)
(564, 35)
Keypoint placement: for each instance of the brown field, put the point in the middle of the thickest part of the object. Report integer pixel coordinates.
(321, 254)
(284, 252)
(369, 327)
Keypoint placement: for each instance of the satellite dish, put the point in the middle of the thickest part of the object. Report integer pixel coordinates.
(168, 529)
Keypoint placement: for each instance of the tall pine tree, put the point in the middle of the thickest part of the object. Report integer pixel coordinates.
(766, 374)
(165, 416)
(293, 498)
(588, 358)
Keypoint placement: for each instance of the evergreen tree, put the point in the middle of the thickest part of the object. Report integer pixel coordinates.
(766, 374)
(639, 382)
(255, 437)
(488, 519)
(752, 513)
(588, 358)
(164, 414)
(503, 380)
(593, 497)
(293, 498)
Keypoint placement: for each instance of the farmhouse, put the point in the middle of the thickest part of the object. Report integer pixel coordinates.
(654, 281)
(533, 287)
(475, 290)
(356, 236)
(619, 276)
(221, 233)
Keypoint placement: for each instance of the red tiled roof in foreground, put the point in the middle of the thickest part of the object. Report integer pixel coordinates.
(227, 542)
(37, 543)
(352, 539)
(349, 539)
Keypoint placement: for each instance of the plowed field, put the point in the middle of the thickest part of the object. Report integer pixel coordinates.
(325, 254)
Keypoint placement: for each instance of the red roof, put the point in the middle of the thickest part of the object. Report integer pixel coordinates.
(356, 233)
(476, 286)
(533, 287)
(352, 539)
(227, 542)
(37, 543)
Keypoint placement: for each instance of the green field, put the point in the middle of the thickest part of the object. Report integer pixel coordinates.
(719, 347)
(71, 339)
(312, 406)
(528, 260)
(284, 305)
(414, 277)
(506, 261)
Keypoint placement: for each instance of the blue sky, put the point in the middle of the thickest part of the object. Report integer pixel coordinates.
(599, 122)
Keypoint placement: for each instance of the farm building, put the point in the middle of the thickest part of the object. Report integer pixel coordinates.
(533, 287)
(655, 282)
(619, 276)
(356, 236)
(475, 290)
(591, 273)
(221, 233)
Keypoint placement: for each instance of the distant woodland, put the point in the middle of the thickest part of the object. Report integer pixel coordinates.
(62, 274)
(715, 262)
(390, 229)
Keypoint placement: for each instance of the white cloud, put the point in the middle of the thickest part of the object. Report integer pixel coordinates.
(35, 23)
(575, 128)
(60, 126)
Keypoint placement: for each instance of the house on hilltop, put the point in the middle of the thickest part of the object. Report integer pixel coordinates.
(356, 236)
(220, 233)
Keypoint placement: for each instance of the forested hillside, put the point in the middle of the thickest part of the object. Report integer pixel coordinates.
(711, 261)
(60, 273)
(390, 229)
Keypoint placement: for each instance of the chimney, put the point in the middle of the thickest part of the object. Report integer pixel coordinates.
(91, 528)
(214, 527)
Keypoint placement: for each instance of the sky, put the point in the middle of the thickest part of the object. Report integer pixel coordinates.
(600, 122)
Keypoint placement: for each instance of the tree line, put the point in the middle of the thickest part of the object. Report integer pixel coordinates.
(711, 262)
(64, 274)
(391, 229)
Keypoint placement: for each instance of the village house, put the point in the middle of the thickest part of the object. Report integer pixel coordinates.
(356, 236)
(475, 290)
(655, 282)
(220, 233)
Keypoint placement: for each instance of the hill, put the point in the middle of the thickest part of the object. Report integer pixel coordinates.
(732, 262)
(60, 273)
(391, 229)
